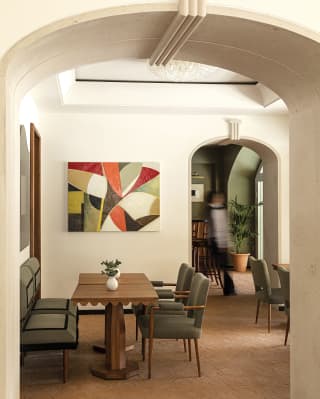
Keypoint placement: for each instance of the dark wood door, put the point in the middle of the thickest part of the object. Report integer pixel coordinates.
(35, 193)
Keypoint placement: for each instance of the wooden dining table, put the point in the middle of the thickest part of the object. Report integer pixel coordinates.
(134, 288)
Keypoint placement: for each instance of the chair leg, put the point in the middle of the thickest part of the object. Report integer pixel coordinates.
(287, 331)
(149, 356)
(143, 348)
(65, 365)
(137, 329)
(258, 309)
(189, 349)
(184, 345)
(269, 317)
(197, 356)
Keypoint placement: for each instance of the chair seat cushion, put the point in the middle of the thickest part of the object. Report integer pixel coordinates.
(169, 307)
(169, 326)
(55, 305)
(49, 331)
(165, 294)
(276, 296)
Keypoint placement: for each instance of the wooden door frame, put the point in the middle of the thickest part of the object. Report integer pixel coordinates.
(35, 194)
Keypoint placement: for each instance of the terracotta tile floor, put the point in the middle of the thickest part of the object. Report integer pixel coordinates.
(238, 358)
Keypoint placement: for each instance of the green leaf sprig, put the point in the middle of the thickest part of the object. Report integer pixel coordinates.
(111, 267)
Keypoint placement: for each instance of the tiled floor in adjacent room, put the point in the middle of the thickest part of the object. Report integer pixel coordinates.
(239, 360)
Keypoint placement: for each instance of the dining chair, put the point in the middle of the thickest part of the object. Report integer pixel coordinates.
(186, 325)
(262, 284)
(179, 294)
(284, 277)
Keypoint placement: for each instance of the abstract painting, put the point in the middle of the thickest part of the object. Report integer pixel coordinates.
(113, 196)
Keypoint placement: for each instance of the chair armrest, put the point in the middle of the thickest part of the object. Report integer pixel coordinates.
(171, 306)
(198, 307)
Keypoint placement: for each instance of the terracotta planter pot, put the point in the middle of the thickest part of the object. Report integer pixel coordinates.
(240, 261)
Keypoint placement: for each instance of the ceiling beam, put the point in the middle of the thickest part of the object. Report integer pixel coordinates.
(189, 16)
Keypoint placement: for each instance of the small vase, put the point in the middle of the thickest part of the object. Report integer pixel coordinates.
(117, 276)
(112, 283)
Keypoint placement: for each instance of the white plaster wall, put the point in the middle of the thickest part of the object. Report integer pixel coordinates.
(169, 139)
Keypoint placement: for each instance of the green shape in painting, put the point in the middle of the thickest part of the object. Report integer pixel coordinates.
(151, 187)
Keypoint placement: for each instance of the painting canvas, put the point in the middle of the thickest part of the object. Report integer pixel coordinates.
(113, 196)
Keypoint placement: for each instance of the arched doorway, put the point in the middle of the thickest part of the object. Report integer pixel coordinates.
(223, 40)
(276, 199)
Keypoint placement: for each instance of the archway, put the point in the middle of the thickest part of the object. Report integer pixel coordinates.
(276, 196)
(224, 39)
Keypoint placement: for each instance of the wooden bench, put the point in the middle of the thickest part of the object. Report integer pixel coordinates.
(46, 323)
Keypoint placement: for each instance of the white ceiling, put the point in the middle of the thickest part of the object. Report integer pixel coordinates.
(125, 86)
(140, 70)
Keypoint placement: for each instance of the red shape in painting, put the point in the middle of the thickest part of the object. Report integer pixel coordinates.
(91, 167)
(118, 217)
(146, 174)
(112, 173)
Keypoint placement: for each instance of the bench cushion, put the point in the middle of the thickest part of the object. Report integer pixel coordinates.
(49, 331)
(55, 305)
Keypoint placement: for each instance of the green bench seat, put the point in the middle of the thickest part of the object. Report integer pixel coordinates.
(47, 323)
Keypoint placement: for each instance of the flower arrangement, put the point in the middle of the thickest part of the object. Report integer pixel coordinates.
(111, 267)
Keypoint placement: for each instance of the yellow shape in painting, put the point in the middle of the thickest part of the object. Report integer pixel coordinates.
(155, 207)
(75, 199)
(79, 179)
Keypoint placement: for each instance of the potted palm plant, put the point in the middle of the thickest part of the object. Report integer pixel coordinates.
(242, 231)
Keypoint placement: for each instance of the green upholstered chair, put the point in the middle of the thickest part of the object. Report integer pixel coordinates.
(47, 305)
(180, 294)
(264, 292)
(284, 276)
(187, 325)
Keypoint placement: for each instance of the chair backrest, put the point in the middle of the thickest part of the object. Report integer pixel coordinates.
(261, 277)
(27, 292)
(198, 297)
(199, 229)
(34, 266)
(184, 278)
(284, 276)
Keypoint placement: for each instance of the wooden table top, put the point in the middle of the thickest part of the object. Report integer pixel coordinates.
(284, 265)
(133, 287)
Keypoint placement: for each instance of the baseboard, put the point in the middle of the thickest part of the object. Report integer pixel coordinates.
(100, 311)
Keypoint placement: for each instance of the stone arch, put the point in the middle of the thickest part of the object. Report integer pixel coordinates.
(280, 55)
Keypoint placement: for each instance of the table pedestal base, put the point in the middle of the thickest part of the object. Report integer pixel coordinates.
(101, 348)
(100, 370)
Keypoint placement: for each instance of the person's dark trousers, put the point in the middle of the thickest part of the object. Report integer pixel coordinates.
(228, 286)
(221, 262)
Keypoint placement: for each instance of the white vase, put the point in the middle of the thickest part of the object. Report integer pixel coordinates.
(117, 276)
(112, 283)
